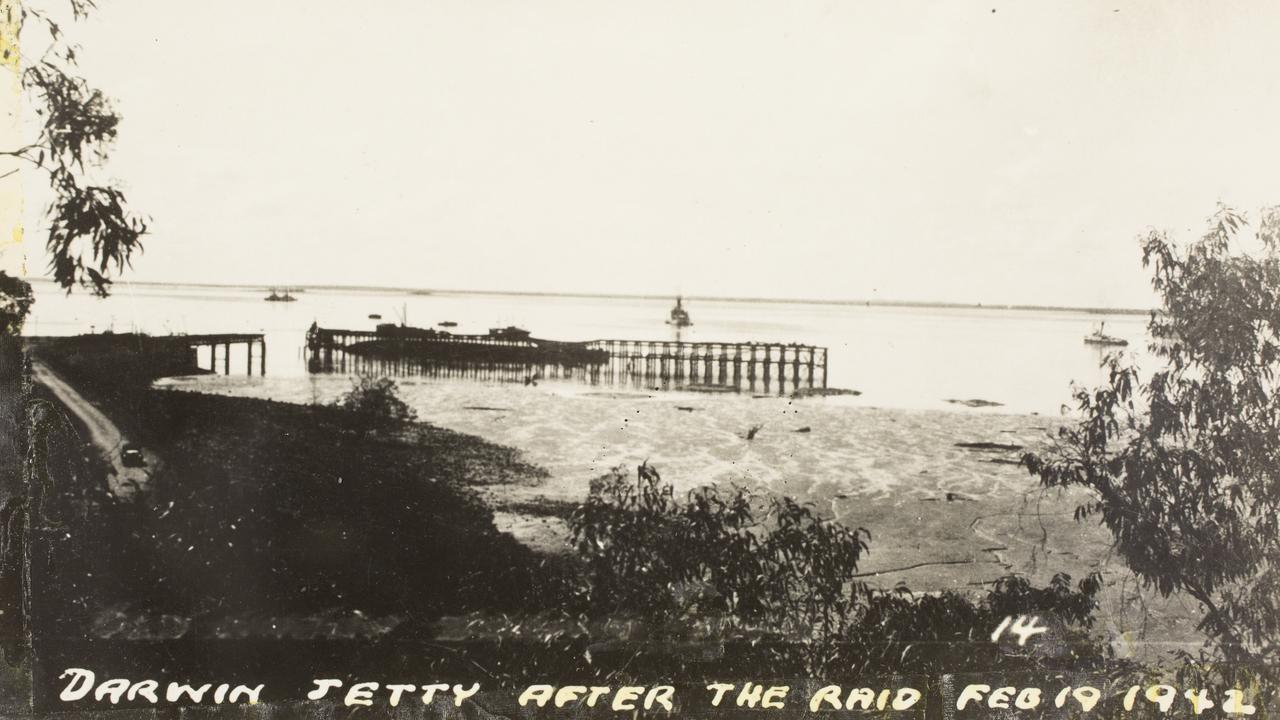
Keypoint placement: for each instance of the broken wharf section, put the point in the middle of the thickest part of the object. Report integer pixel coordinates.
(709, 363)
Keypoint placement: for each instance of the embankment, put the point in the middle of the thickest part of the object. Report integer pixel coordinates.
(264, 516)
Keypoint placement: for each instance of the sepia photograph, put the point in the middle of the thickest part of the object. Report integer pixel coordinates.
(570, 360)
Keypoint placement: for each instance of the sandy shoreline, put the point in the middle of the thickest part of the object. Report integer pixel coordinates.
(941, 517)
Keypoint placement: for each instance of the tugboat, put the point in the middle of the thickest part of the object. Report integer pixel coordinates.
(679, 316)
(1100, 338)
(277, 297)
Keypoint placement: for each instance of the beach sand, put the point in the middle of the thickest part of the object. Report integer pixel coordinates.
(941, 517)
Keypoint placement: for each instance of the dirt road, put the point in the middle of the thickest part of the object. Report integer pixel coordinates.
(123, 482)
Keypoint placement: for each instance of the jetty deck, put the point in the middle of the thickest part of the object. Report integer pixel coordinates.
(709, 363)
(226, 341)
(210, 351)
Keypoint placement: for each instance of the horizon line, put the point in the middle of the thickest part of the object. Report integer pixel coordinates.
(941, 304)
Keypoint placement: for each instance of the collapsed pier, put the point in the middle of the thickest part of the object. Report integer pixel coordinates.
(515, 353)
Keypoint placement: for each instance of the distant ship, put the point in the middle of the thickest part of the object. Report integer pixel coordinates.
(448, 323)
(277, 297)
(1100, 338)
(679, 316)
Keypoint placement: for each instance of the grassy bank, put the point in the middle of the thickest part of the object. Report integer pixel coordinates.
(267, 514)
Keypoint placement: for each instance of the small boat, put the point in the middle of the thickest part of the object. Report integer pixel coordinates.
(277, 297)
(448, 323)
(679, 316)
(1100, 338)
(375, 316)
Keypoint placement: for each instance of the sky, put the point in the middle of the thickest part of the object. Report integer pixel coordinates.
(925, 151)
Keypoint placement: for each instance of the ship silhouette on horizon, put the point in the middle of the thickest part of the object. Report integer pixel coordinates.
(679, 316)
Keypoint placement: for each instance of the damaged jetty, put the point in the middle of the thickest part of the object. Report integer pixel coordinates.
(670, 365)
(499, 345)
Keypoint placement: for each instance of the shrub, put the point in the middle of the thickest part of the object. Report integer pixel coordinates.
(376, 402)
(759, 558)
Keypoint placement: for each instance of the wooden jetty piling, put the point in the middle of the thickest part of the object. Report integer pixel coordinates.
(171, 353)
(668, 362)
(226, 341)
(716, 362)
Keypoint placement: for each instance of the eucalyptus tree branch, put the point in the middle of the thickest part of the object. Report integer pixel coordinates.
(92, 233)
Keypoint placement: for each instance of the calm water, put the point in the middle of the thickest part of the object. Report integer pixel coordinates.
(897, 357)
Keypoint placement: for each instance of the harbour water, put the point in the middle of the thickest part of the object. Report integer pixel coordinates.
(897, 357)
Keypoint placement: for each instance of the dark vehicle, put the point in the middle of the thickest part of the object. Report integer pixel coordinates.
(131, 455)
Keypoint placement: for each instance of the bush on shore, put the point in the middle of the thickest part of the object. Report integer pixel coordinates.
(754, 565)
(376, 402)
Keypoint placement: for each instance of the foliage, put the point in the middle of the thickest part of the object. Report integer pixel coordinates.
(750, 565)
(902, 632)
(757, 557)
(376, 402)
(15, 303)
(1183, 466)
(92, 233)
